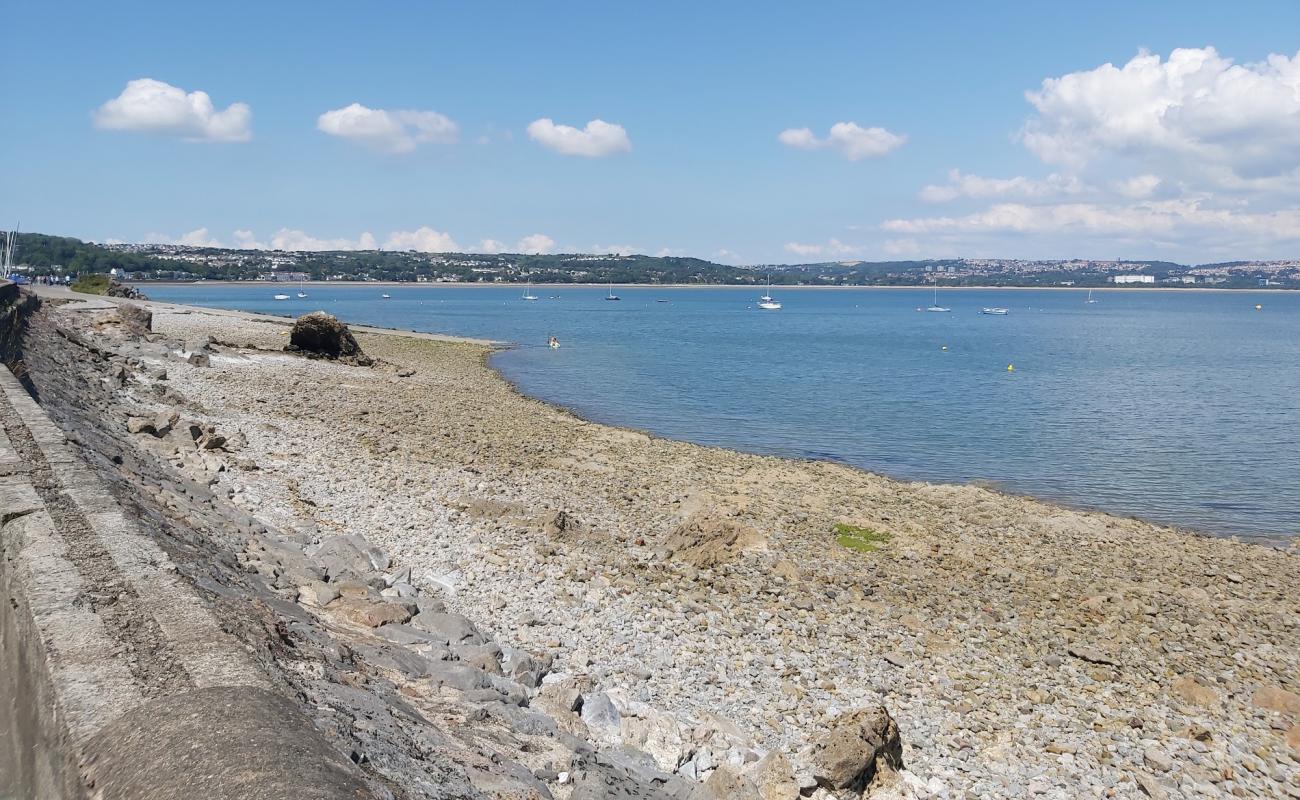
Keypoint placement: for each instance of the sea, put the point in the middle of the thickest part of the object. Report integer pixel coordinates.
(1178, 406)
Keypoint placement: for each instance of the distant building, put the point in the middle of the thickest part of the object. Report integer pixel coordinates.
(1132, 279)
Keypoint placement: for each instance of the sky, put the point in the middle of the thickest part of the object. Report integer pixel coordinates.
(742, 132)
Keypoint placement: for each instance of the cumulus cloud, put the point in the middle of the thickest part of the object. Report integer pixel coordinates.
(535, 244)
(1195, 106)
(1148, 220)
(423, 239)
(490, 246)
(597, 139)
(291, 239)
(151, 106)
(398, 131)
(975, 186)
(1138, 187)
(196, 238)
(833, 247)
(847, 138)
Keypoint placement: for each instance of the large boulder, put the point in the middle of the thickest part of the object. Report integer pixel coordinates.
(320, 335)
(136, 319)
(859, 745)
(116, 289)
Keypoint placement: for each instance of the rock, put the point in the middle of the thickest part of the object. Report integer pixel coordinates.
(140, 425)
(164, 422)
(320, 335)
(520, 666)
(774, 778)
(556, 523)
(1293, 741)
(1193, 692)
(486, 657)
(708, 539)
(1157, 759)
(897, 659)
(371, 613)
(859, 744)
(317, 594)
(1091, 654)
(405, 372)
(726, 784)
(1150, 786)
(600, 714)
(116, 289)
(1275, 698)
(198, 360)
(135, 318)
(450, 628)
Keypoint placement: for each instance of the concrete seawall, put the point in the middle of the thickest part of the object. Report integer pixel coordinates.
(116, 681)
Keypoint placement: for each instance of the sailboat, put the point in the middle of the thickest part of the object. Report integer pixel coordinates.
(767, 302)
(528, 293)
(1089, 300)
(935, 306)
(611, 295)
(301, 293)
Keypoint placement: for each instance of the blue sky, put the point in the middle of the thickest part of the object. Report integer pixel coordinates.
(1188, 157)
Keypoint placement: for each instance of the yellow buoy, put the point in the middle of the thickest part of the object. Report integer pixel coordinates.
(1011, 367)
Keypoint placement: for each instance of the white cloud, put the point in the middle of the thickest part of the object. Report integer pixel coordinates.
(490, 246)
(597, 139)
(398, 131)
(901, 247)
(289, 239)
(423, 239)
(151, 106)
(537, 243)
(1149, 220)
(196, 238)
(975, 186)
(847, 138)
(834, 247)
(1138, 187)
(245, 240)
(617, 249)
(1194, 108)
(725, 256)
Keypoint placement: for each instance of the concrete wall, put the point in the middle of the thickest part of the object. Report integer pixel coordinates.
(116, 681)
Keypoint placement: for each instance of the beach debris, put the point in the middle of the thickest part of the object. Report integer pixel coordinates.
(321, 335)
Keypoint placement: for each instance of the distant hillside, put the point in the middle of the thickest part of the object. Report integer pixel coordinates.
(65, 255)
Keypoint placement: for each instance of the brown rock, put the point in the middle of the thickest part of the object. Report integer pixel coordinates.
(1293, 741)
(726, 784)
(1275, 698)
(775, 778)
(706, 540)
(1193, 692)
(320, 335)
(858, 745)
(372, 613)
(135, 318)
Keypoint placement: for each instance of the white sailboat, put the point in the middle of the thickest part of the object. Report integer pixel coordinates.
(611, 295)
(282, 297)
(301, 293)
(528, 293)
(935, 306)
(767, 302)
(1089, 300)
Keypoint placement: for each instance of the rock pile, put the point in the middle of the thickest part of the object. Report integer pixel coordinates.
(116, 289)
(320, 335)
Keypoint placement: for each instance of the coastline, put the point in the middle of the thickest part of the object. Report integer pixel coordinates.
(1015, 641)
(749, 287)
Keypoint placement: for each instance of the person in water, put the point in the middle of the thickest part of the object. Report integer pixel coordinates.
(554, 342)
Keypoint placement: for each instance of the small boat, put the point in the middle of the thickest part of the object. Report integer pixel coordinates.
(611, 295)
(661, 301)
(767, 302)
(997, 311)
(1090, 300)
(936, 307)
(301, 293)
(528, 293)
(385, 296)
(282, 297)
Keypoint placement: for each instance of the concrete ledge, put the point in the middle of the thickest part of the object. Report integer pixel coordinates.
(227, 743)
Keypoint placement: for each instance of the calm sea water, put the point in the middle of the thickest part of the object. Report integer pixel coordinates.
(1179, 407)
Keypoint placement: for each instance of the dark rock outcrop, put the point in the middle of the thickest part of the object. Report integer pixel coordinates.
(116, 289)
(320, 335)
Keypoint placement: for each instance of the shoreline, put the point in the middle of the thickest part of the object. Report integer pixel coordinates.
(496, 346)
(1016, 642)
(675, 286)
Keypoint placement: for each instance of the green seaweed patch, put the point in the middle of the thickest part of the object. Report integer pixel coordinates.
(855, 537)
